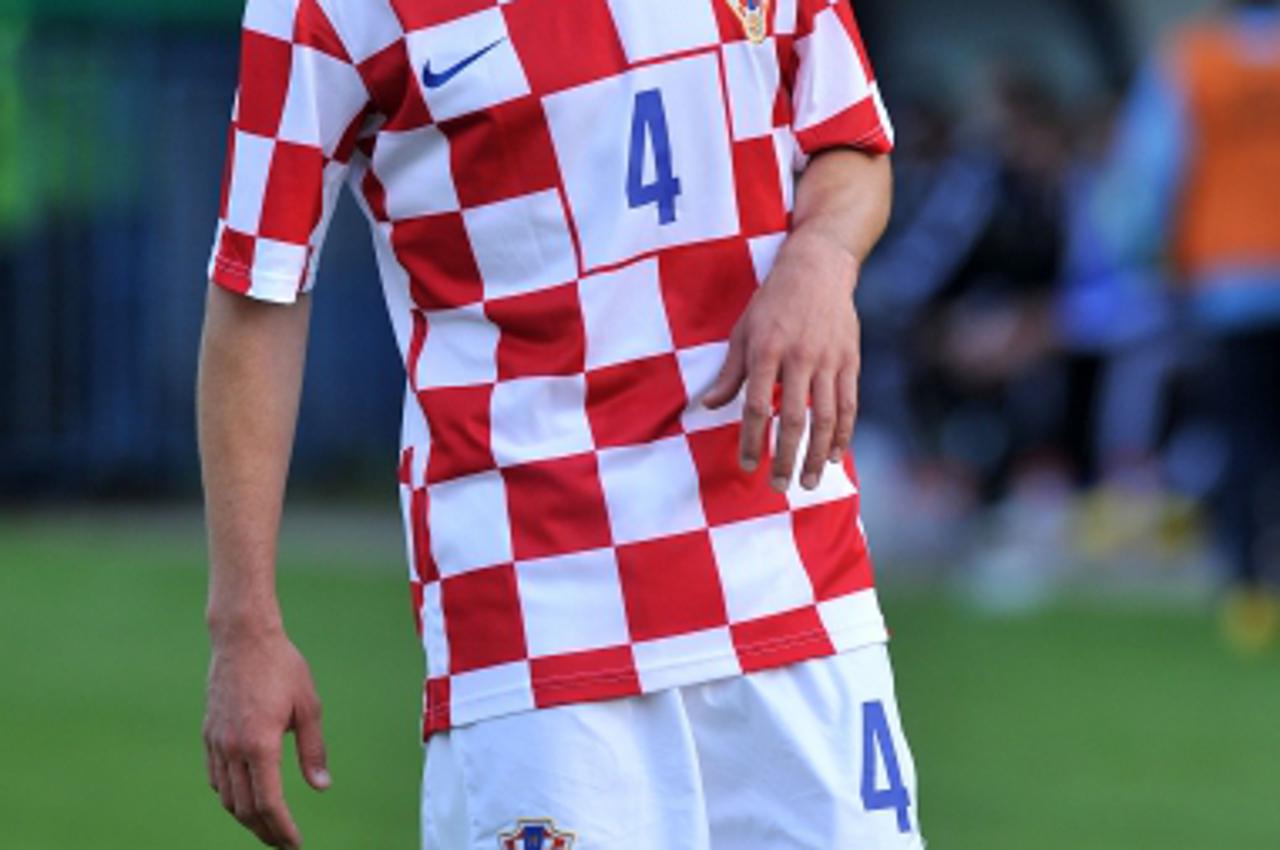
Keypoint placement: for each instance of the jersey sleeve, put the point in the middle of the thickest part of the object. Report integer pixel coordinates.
(299, 106)
(835, 99)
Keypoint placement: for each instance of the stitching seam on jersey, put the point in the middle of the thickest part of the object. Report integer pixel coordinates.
(230, 265)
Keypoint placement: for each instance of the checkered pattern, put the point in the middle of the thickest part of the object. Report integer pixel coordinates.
(577, 525)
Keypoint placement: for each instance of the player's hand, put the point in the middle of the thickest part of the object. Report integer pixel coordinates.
(800, 330)
(259, 688)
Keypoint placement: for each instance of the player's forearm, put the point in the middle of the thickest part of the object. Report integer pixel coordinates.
(843, 198)
(251, 365)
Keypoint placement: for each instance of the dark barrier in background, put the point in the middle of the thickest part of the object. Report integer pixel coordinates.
(111, 147)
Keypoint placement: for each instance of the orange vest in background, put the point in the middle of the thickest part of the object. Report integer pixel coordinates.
(1230, 208)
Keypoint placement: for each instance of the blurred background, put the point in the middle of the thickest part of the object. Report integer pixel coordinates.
(1068, 436)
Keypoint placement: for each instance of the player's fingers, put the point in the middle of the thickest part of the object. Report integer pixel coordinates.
(209, 770)
(244, 807)
(822, 426)
(762, 376)
(732, 374)
(846, 412)
(312, 757)
(268, 798)
(222, 781)
(796, 379)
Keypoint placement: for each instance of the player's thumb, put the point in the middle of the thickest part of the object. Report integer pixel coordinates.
(312, 758)
(729, 381)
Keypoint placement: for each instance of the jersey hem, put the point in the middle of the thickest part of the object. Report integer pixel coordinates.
(260, 285)
(758, 655)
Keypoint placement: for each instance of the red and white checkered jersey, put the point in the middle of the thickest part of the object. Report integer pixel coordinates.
(572, 203)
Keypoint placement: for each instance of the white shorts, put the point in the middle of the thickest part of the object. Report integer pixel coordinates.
(805, 757)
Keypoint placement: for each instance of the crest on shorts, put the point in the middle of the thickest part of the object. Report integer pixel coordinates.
(536, 834)
(753, 14)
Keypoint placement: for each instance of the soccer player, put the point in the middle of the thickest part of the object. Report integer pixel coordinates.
(1196, 176)
(631, 356)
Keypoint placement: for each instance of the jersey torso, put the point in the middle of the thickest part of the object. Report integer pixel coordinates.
(573, 202)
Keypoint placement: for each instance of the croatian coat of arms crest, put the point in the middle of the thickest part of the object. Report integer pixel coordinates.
(539, 834)
(754, 15)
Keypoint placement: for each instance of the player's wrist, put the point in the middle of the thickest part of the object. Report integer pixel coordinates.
(229, 625)
(823, 256)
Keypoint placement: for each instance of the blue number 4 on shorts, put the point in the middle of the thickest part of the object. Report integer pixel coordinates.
(877, 748)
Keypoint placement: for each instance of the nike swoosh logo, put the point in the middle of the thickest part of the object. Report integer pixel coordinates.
(434, 80)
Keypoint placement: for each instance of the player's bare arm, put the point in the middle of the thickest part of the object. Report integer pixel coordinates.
(251, 366)
(801, 329)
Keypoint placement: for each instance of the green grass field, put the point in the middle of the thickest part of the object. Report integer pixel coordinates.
(1090, 726)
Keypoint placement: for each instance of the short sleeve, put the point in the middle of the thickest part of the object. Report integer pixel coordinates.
(835, 99)
(299, 106)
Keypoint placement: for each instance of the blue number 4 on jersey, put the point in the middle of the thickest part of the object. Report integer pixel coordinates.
(649, 130)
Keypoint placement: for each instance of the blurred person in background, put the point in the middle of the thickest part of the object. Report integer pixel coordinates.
(1115, 324)
(961, 342)
(994, 377)
(944, 195)
(987, 335)
(1195, 180)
